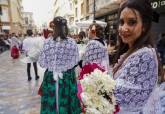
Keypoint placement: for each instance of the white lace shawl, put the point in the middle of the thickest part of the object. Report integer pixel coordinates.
(59, 56)
(135, 80)
(96, 52)
(14, 42)
(156, 102)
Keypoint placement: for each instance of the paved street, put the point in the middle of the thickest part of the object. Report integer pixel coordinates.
(17, 95)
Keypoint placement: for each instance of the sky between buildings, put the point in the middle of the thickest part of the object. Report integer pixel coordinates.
(42, 10)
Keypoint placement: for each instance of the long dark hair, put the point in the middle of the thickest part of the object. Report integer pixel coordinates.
(99, 30)
(145, 39)
(60, 27)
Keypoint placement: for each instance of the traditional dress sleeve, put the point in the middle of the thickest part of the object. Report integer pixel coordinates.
(43, 57)
(162, 97)
(155, 104)
(136, 79)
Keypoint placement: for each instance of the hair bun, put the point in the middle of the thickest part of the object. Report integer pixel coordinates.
(64, 21)
(59, 21)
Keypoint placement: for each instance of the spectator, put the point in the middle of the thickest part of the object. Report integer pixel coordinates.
(28, 46)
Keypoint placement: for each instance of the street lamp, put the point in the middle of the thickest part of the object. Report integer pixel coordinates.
(94, 9)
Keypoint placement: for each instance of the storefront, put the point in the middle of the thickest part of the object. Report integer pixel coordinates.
(106, 10)
(6, 29)
(159, 26)
(111, 19)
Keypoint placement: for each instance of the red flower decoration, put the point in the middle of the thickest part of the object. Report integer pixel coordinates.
(40, 91)
(14, 52)
(117, 109)
(87, 69)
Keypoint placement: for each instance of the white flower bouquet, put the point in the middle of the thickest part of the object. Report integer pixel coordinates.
(97, 93)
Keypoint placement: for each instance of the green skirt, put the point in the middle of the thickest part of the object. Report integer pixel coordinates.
(68, 101)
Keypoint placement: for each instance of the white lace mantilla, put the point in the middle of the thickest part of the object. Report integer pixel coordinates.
(60, 55)
(96, 52)
(136, 79)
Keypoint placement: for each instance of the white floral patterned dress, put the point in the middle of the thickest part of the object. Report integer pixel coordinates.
(135, 80)
(59, 86)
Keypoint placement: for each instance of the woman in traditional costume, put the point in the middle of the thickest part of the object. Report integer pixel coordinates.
(14, 45)
(138, 68)
(96, 49)
(95, 55)
(59, 87)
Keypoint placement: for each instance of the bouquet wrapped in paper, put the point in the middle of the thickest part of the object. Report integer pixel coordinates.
(97, 92)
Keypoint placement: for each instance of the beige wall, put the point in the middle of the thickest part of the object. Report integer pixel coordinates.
(28, 22)
(102, 7)
(5, 17)
(87, 8)
(16, 16)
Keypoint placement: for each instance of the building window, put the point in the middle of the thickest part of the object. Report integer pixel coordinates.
(87, 7)
(76, 12)
(26, 20)
(82, 8)
(0, 10)
(75, 1)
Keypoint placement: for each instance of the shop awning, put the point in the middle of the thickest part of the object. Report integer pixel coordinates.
(6, 27)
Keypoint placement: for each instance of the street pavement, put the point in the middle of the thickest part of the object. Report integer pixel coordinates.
(17, 95)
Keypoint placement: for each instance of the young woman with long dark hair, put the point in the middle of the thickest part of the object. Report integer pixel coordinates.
(138, 68)
(59, 87)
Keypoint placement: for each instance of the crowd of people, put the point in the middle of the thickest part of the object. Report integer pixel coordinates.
(5, 42)
(24, 45)
(134, 60)
(137, 69)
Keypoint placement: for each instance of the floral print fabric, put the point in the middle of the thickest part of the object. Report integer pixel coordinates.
(96, 52)
(59, 56)
(156, 102)
(136, 79)
(68, 100)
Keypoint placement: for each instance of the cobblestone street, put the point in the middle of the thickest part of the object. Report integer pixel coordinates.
(17, 95)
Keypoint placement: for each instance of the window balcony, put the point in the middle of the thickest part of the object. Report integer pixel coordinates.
(103, 6)
(3, 2)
